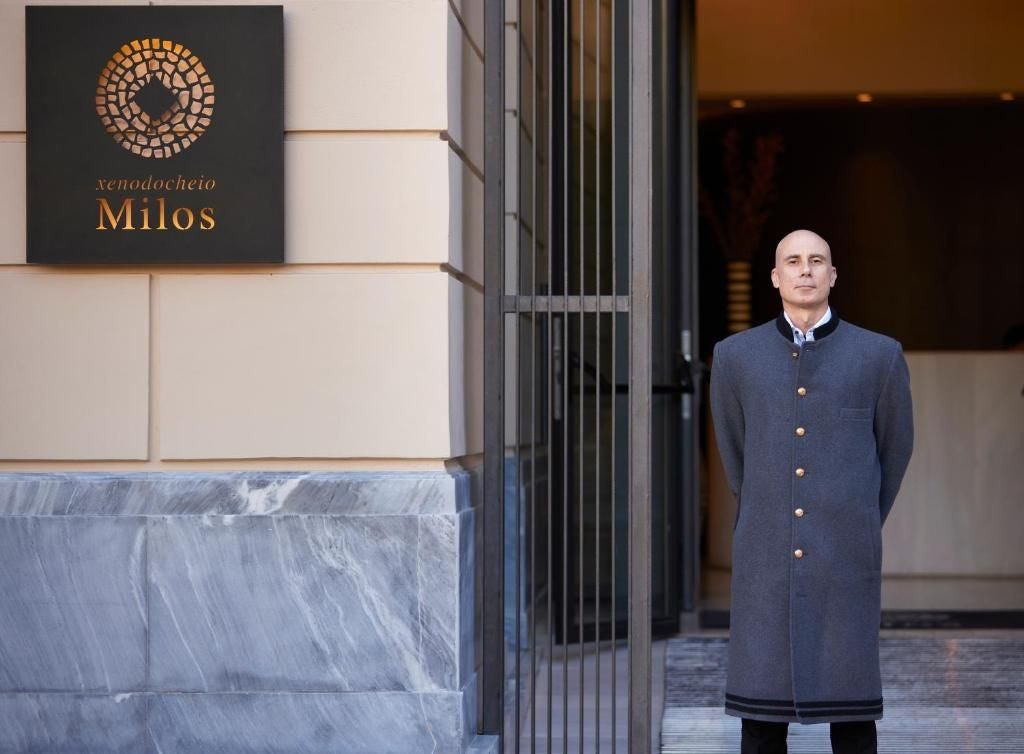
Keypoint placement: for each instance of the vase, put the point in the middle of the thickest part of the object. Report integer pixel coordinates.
(737, 298)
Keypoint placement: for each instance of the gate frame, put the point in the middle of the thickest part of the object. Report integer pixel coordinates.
(492, 671)
(639, 158)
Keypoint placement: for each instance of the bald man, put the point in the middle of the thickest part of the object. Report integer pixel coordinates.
(813, 420)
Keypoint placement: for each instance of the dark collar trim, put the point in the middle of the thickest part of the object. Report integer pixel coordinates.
(820, 332)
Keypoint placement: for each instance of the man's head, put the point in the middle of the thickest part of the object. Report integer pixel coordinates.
(803, 270)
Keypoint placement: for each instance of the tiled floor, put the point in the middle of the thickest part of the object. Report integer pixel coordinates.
(944, 692)
(938, 720)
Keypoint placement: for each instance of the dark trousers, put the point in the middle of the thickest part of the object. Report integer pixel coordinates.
(857, 737)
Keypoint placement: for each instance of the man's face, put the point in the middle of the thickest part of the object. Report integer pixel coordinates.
(804, 273)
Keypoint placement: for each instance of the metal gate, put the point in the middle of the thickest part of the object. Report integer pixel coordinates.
(570, 194)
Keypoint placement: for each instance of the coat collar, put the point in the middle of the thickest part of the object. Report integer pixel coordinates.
(782, 325)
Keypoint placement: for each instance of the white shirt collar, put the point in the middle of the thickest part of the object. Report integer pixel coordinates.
(809, 335)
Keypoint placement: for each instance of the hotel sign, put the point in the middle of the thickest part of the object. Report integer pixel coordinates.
(155, 134)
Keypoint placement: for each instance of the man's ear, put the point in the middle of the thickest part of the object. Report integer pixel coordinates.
(835, 274)
(775, 277)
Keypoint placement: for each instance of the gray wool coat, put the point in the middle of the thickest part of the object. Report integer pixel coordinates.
(815, 442)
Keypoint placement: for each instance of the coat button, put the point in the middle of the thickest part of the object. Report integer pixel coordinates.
(799, 513)
(800, 431)
(800, 472)
(801, 391)
(798, 553)
(795, 354)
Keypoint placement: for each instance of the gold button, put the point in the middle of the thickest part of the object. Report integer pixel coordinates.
(801, 391)
(800, 431)
(800, 472)
(799, 513)
(798, 553)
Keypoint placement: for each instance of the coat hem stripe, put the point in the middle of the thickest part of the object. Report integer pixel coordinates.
(841, 711)
(761, 710)
(831, 703)
(857, 703)
(792, 712)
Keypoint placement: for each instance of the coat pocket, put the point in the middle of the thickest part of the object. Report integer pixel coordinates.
(856, 414)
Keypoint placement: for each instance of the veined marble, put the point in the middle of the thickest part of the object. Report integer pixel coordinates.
(468, 604)
(227, 493)
(311, 603)
(73, 597)
(381, 723)
(237, 612)
(73, 723)
(235, 723)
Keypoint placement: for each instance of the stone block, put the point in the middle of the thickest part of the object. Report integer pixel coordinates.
(346, 493)
(74, 372)
(337, 394)
(303, 603)
(74, 604)
(382, 723)
(73, 723)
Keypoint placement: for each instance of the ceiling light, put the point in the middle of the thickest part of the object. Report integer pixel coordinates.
(737, 104)
(864, 97)
(1006, 96)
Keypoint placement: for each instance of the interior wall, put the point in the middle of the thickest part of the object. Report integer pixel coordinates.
(920, 204)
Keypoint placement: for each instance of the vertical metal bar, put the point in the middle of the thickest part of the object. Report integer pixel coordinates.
(597, 383)
(532, 523)
(518, 560)
(690, 291)
(640, 32)
(583, 352)
(615, 394)
(567, 39)
(549, 161)
(493, 666)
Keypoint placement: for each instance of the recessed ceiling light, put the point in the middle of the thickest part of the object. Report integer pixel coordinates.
(1006, 96)
(737, 104)
(864, 97)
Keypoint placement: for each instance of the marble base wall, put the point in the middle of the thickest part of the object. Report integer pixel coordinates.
(237, 612)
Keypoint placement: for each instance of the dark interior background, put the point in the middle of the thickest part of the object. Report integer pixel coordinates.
(922, 204)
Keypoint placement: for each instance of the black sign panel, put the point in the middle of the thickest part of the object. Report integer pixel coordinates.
(155, 134)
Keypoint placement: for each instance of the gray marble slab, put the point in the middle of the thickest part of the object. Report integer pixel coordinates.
(310, 603)
(381, 723)
(483, 745)
(72, 724)
(74, 604)
(470, 709)
(467, 594)
(236, 612)
(234, 493)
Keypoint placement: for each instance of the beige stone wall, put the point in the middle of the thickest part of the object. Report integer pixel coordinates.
(362, 351)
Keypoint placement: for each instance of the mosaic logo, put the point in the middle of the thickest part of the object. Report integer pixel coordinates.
(155, 97)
